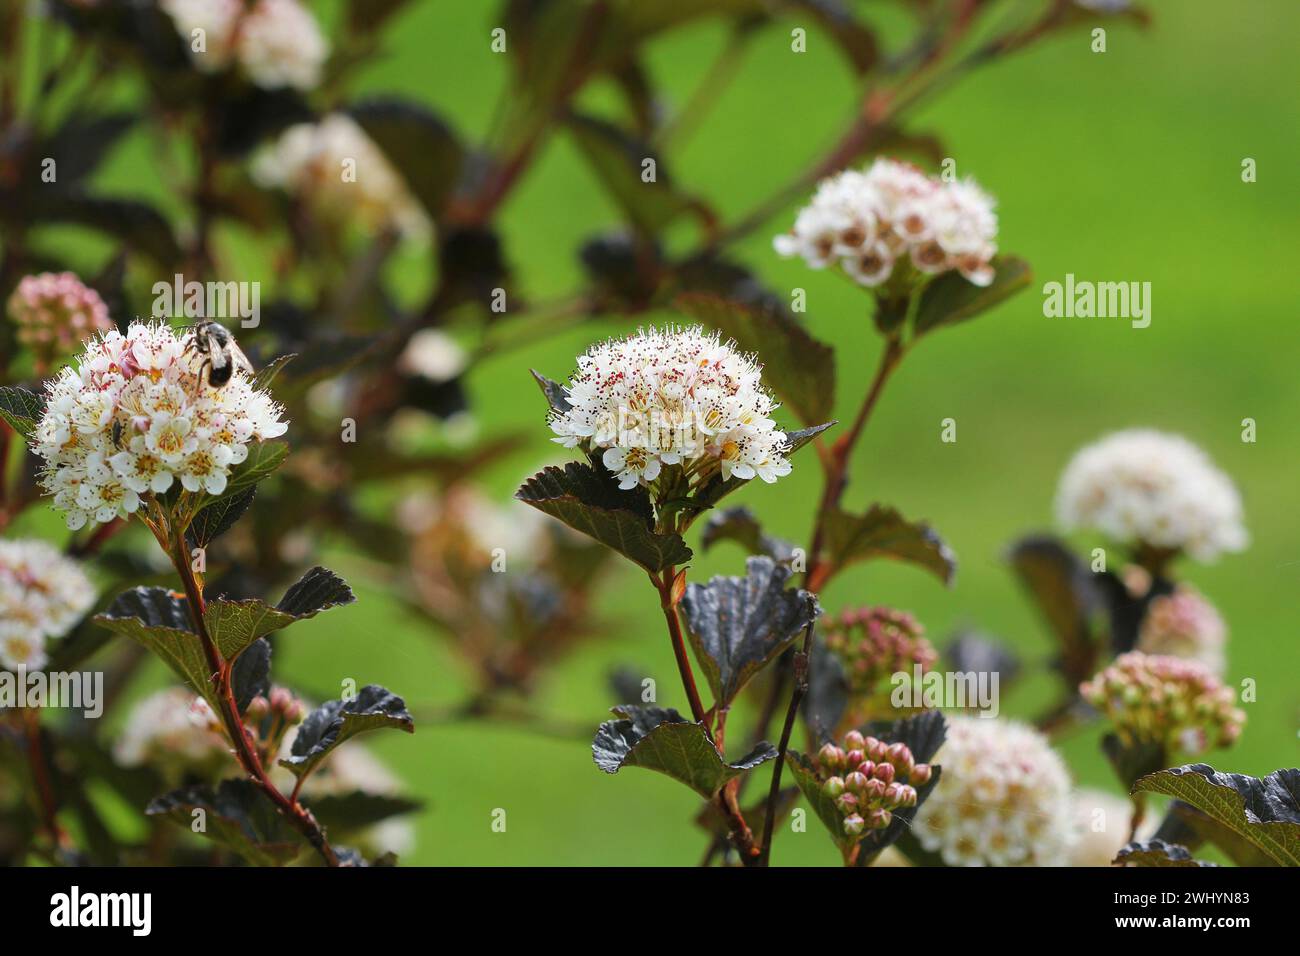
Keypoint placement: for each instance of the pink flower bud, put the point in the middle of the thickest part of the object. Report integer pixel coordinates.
(853, 740)
(853, 758)
(920, 775)
(854, 824)
(856, 782)
(831, 758)
(879, 819)
(847, 803)
(833, 787)
(885, 772)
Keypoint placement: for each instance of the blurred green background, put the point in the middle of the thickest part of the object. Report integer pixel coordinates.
(1116, 166)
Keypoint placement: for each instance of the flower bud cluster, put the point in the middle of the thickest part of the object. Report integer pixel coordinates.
(1177, 703)
(874, 642)
(869, 780)
(54, 312)
(1184, 624)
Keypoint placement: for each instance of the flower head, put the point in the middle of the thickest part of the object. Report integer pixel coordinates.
(55, 312)
(869, 780)
(136, 415)
(673, 397)
(342, 175)
(1184, 624)
(1145, 487)
(277, 42)
(42, 596)
(1178, 704)
(1003, 798)
(893, 222)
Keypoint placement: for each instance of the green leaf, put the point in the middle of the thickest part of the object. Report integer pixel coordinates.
(234, 625)
(739, 524)
(661, 739)
(357, 809)
(159, 619)
(740, 625)
(267, 373)
(951, 298)
(262, 461)
(236, 815)
(799, 368)
(217, 518)
(592, 503)
(136, 224)
(616, 157)
(883, 533)
(337, 721)
(1265, 813)
(20, 408)
(1156, 853)
(1202, 828)
(418, 143)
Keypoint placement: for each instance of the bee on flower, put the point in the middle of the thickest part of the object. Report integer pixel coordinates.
(892, 224)
(42, 597)
(673, 397)
(136, 416)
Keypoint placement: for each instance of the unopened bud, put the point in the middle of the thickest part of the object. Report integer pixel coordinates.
(854, 758)
(853, 741)
(833, 787)
(847, 803)
(885, 772)
(921, 774)
(257, 710)
(879, 819)
(856, 782)
(831, 758)
(901, 757)
(893, 795)
(854, 824)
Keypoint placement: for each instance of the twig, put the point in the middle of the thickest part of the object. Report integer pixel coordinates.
(792, 712)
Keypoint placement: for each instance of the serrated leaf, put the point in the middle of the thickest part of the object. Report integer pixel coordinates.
(238, 816)
(159, 619)
(1266, 812)
(798, 367)
(951, 298)
(1064, 590)
(234, 625)
(592, 503)
(336, 721)
(418, 143)
(740, 525)
(1189, 826)
(661, 739)
(20, 408)
(884, 533)
(738, 626)
(217, 518)
(267, 373)
(251, 674)
(1156, 853)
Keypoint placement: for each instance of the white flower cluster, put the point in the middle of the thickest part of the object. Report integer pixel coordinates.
(277, 42)
(1184, 624)
(874, 222)
(1003, 798)
(137, 414)
(42, 596)
(1147, 487)
(172, 730)
(673, 397)
(342, 175)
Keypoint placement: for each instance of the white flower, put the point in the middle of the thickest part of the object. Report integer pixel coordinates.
(173, 730)
(136, 415)
(1101, 826)
(42, 596)
(433, 354)
(1148, 487)
(336, 168)
(277, 42)
(673, 397)
(281, 45)
(870, 221)
(1184, 624)
(1003, 798)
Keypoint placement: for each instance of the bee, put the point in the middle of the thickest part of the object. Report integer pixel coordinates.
(117, 434)
(221, 354)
